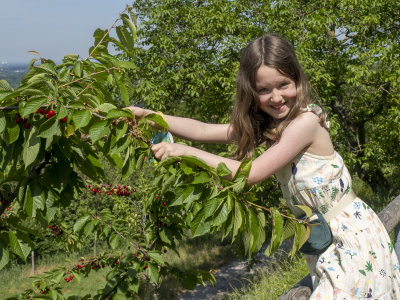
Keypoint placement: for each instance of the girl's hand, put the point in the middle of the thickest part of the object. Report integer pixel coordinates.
(165, 149)
(139, 112)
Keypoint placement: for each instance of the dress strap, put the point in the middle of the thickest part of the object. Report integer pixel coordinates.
(316, 109)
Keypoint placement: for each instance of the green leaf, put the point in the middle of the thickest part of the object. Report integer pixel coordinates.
(98, 130)
(223, 170)
(121, 129)
(189, 160)
(18, 246)
(243, 170)
(277, 231)
(48, 67)
(4, 255)
(51, 210)
(81, 118)
(129, 165)
(298, 238)
(156, 256)
(89, 227)
(61, 112)
(210, 207)
(167, 183)
(32, 105)
(3, 123)
(114, 241)
(221, 215)
(31, 148)
(289, 230)
(80, 223)
(239, 217)
(13, 131)
(124, 92)
(106, 107)
(78, 69)
(33, 199)
(126, 64)
(49, 128)
(199, 226)
(125, 38)
(158, 119)
(182, 195)
(127, 22)
(166, 236)
(5, 86)
(119, 113)
(307, 210)
(153, 273)
(200, 178)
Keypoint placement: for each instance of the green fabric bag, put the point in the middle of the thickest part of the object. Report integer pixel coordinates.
(320, 237)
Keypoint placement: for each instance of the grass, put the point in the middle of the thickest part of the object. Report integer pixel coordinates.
(273, 281)
(19, 276)
(205, 253)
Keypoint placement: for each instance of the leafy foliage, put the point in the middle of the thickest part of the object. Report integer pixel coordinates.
(67, 117)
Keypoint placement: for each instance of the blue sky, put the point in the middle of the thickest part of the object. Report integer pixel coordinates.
(53, 28)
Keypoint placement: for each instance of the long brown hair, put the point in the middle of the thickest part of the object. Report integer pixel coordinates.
(251, 125)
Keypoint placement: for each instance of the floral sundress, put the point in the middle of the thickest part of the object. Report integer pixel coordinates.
(361, 262)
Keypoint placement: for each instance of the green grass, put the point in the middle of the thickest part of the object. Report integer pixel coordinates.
(205, 253)
(19, 276)
(271, 282)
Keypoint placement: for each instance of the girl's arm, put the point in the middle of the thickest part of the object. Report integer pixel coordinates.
(302, 133)
(192, 130)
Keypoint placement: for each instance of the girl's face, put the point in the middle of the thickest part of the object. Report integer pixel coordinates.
(276, 92)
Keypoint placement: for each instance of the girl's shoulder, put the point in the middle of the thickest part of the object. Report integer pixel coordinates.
(314, 109)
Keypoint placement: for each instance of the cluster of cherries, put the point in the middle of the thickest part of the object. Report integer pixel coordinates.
(111, 189)
(47, 113)
(55, 229)
(24, 121)
(68, 279)
(5, 203)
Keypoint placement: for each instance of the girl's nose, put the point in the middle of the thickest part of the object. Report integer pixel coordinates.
(275, 96)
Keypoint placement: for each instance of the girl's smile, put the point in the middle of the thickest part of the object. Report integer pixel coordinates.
(276, 92)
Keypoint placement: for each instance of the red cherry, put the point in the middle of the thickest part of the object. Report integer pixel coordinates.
(63, 120)
(43, 111)
(38, 111)
(27, 125)
(146, 266)
(51, 113)
(19, 120)
(164, 203)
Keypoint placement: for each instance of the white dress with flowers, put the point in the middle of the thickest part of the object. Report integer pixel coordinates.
(361, 262)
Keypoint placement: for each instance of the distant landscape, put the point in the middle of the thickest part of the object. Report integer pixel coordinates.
(13, 73)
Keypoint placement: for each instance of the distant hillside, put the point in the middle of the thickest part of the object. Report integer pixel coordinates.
(13, 73)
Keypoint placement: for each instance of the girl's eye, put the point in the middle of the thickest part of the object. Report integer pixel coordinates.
(284, 84)
(263, 91)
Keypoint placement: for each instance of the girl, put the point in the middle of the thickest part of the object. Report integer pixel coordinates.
(273, 106)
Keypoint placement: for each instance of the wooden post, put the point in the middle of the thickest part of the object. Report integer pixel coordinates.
(95, 244)
(33, 262)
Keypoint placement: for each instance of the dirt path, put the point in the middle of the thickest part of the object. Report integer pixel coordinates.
(233, 276)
